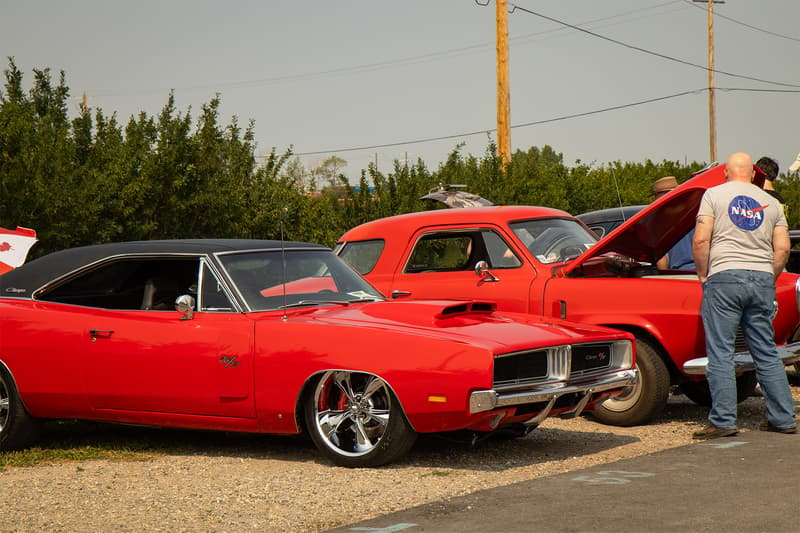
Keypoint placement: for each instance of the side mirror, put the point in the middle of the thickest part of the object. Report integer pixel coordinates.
(184, 304)
(482, 270)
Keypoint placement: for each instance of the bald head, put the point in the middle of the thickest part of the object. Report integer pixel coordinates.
(740, 167)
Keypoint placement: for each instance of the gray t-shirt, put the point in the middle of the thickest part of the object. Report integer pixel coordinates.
(744, 219)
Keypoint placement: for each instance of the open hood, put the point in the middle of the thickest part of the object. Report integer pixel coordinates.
(650, 233)
(455, 198)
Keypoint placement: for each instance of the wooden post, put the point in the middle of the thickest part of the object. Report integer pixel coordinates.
(503, 126)
(712, 116)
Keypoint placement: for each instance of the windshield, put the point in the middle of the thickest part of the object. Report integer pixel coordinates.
(552, 240)
(311, 277)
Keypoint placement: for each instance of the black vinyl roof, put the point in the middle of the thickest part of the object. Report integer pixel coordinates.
(615, 214)
(36, 273)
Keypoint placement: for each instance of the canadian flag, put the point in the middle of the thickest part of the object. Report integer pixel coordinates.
(14, 246)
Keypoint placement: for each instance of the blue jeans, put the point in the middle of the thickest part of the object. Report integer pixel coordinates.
(731, 298)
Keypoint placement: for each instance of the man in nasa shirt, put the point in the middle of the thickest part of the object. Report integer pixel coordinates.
(741, 244)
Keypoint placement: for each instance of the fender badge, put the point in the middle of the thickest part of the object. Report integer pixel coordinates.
(230, 360)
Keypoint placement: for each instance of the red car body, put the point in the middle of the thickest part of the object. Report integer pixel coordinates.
(279, 338)
(544, 261)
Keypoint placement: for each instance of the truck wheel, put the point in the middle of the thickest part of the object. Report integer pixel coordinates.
(699, 393)
(645, 400)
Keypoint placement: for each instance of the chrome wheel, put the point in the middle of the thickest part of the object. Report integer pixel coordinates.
(4, 404)
(16, 425)
(355, 419)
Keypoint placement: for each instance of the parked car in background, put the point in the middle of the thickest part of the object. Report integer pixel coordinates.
(546, 262)
(271, 337)
(603, 221)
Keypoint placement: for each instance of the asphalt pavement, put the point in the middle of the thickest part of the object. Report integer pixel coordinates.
(748, 482)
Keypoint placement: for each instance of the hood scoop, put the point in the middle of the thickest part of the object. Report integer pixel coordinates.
(466, 308)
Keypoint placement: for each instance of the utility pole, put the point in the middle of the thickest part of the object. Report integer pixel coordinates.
(503, 126)
(712, 118)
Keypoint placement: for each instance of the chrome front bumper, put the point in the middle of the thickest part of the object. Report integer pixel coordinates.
(743, 361)
(487, 400)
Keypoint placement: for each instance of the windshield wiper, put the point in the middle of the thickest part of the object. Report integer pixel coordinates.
(303, 303)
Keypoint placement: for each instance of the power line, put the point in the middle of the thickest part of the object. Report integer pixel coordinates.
(548, 120)
(371, 67)
(650, 52)
(612, 108)
(594, 21)
(740, 23)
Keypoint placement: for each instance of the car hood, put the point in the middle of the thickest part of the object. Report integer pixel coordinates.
(469, 322)
(650, 233)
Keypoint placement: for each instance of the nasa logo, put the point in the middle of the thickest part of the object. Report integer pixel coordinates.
(746, 213)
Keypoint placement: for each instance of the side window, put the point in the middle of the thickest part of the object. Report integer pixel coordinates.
(362, 255)
(500, 253)
(212, 294)
(460, 251)
(442, 252)
(129, 283)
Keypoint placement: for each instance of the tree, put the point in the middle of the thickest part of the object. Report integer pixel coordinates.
(329, 171)
(89, 180)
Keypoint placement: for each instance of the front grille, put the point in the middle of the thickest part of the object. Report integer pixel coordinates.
(586, 358)
(558, 363)
(520, 368)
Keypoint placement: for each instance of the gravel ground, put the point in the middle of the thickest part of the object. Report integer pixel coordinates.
(223, 482)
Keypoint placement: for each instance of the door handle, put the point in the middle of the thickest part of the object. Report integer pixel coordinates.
(400, 294)
(104, 333)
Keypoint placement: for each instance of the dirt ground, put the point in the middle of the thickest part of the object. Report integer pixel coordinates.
(231, 482)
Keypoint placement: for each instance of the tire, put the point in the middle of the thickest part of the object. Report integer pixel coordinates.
(17, 427)
(356, 420)
(645, 400)
(699, 393)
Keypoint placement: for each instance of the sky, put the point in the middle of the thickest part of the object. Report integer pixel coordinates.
(373, 81)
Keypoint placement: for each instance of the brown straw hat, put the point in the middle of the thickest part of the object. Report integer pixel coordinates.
(665, 184)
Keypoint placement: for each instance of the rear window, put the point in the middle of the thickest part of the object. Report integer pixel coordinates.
(361, 255)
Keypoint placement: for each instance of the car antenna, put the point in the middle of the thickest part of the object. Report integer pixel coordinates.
(619, 196)
(284, 210)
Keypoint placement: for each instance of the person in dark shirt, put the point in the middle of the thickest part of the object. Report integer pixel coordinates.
(679, 256)
(771, 169)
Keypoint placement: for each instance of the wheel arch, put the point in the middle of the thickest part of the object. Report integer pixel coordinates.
(675, 374)
(311, 382)
(6, 372)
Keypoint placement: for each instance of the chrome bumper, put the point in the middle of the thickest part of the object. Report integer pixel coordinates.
(743, 361)
(487, 400)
